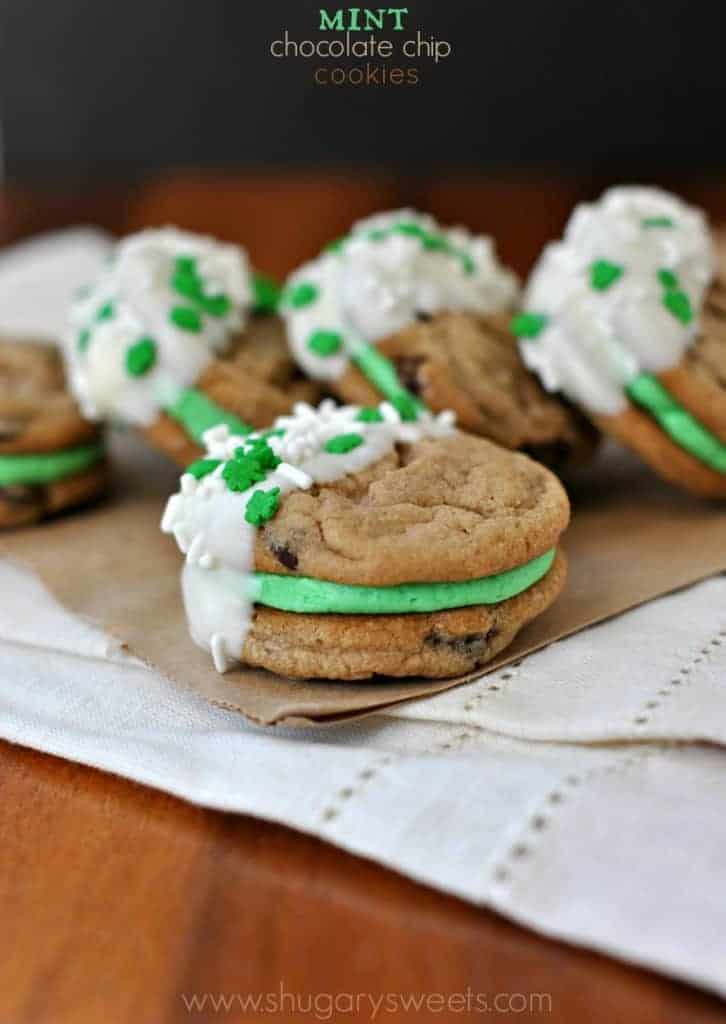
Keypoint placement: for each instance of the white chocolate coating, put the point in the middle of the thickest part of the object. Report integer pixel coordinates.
(208, 520)
(379, 278)
(596, 340)
(137, 283)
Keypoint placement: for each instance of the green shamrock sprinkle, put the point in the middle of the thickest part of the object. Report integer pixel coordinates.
(370, 416)
(185, 282)
(325, 343)
(527, 325)
(84, 338)
(186, 318)
(302, 294)
(141, 357)
(262, 506)
(343, 443)
(678, 303)
(603, 274)
(186, 265)
(261, 452)
(202, 467)
(667, 278)
(267, 294)
(657, 222)
(240, 473)
(406, 405)
(250, 465)
(215, 305)
(106, 311)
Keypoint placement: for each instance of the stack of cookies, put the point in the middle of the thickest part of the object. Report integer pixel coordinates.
(413, 529)
(51, 458)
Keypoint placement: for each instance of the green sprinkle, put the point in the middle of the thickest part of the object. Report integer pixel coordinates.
(302, 294)
(262, 506)
(267, 294)
(215, 305)
(343, 443)
(603, 274)
(678, 303)
(186, 318)
(657, 222)
(240, 474)
(84, 338)
(106, 311)
(406, 405)
(468, 264)
(411, 228)
(667, 278)
(260, 452)
(527, 325)
(370, 416)
(337, 244)
(141, 357)
(272, 433)
(185, 283)
(325, 343)
(202, 467)
(186, 265)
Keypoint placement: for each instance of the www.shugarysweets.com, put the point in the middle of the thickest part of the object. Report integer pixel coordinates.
(352, 47)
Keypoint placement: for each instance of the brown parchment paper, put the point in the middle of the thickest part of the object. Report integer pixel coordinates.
(631, 539)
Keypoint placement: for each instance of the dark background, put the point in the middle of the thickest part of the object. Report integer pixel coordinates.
(101, 90)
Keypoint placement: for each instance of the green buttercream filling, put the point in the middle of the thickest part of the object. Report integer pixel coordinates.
(44, 467)
(197, 413)
(648, 392)
(382, 374)
(310, 596)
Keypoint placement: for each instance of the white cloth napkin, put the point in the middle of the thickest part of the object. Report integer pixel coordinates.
(570, 792)
(38, 278)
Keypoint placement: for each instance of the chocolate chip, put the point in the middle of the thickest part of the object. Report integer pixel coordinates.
(423, 316)
(471, 644)
(284, 556)
(407, 368)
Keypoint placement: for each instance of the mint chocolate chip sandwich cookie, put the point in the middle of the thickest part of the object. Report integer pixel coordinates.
(348, 542)
(176, 336)
(404, 309)
(627, 318)
(51, 458)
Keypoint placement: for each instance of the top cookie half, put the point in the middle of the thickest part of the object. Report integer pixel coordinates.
(406, 310)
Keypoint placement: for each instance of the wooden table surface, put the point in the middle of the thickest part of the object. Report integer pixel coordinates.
(117, 902)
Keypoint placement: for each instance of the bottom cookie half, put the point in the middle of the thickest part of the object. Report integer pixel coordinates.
(433, 645)
(22, 504)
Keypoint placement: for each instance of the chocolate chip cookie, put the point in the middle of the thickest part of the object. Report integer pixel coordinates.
(346, 543)
(51, 458)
